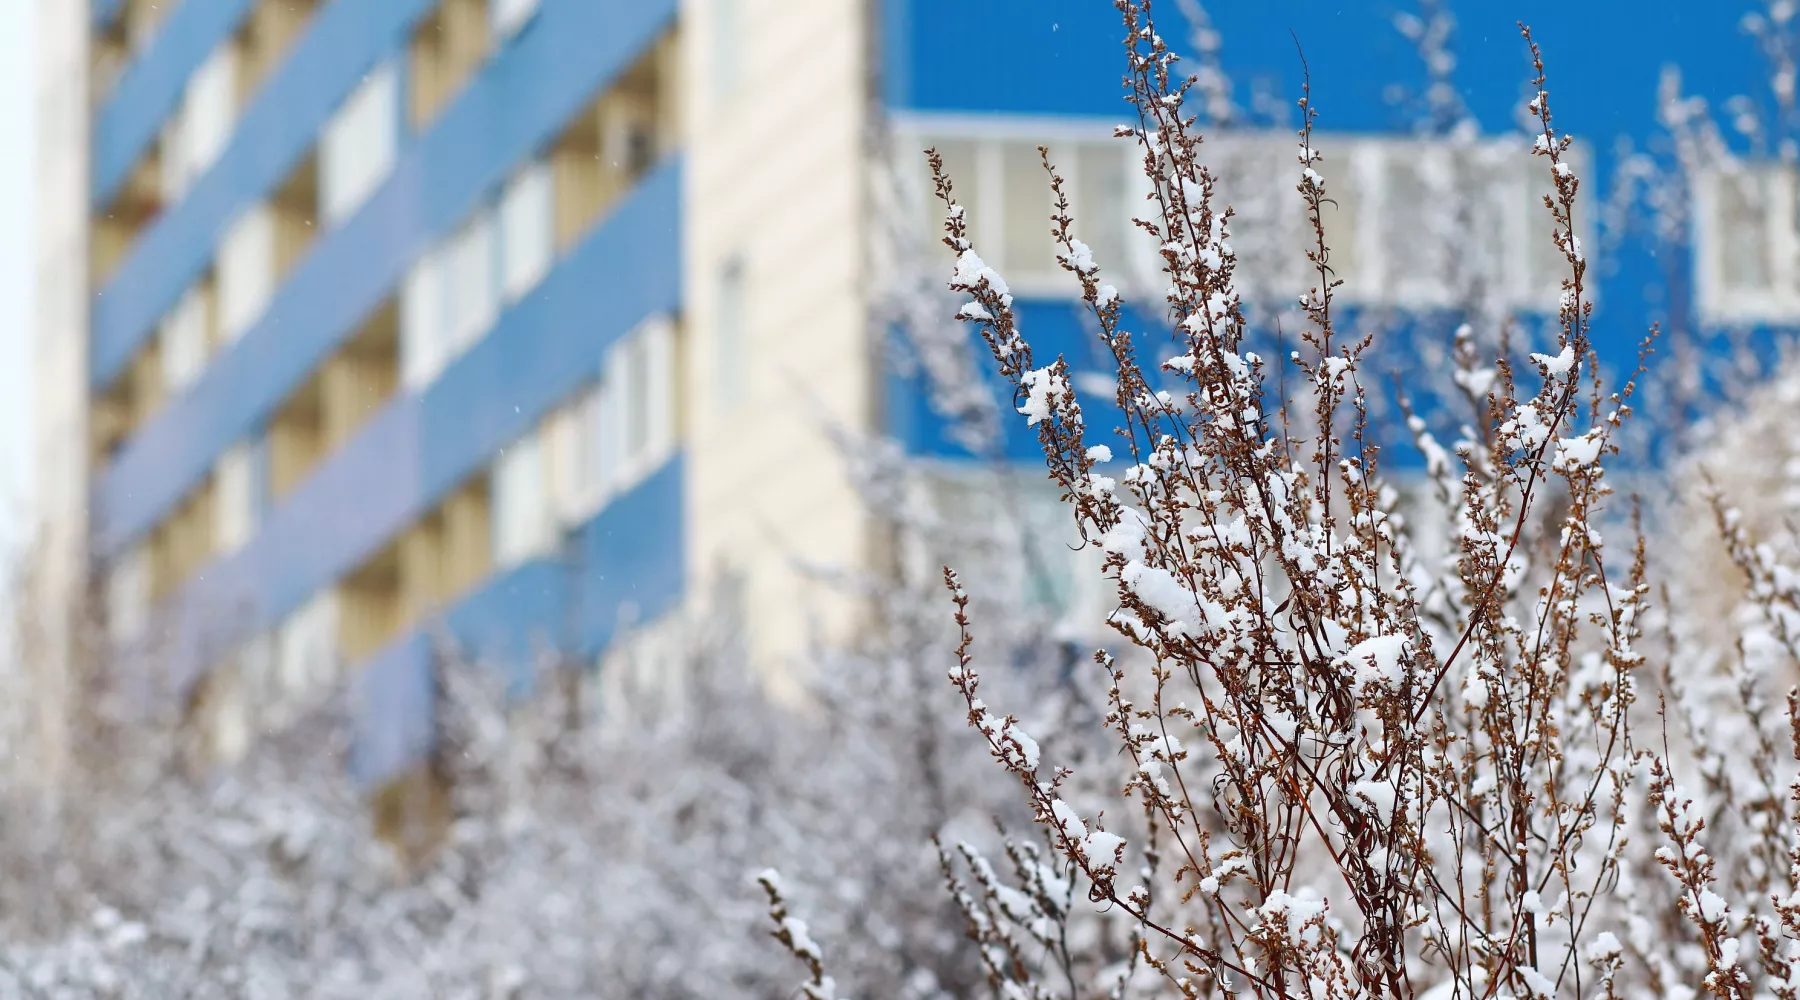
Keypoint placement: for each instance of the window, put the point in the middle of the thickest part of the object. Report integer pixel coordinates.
(645, 359)
(109, 53)
(372, 606)
(527, 236)
(729, 350)
(446, 552)
(1012, 545)
(449, 302)
(357, 148)
(1418, 229)
(728, 41)
(128, 596)
(254, 661)
(246, 269)
(129, 402)
(608, 433)
(237, 506)
(1747, 246)
(524, 524)
(508, 16)
(219, 716)
(447, 46)
(1027, 244)
(608, 144)
(296, 208)
(210, 110)
(200, 126)
(263, 38)
(116, 227)
(186, 339)
(422, 353)
(643, 672)
(636, 407)
(322, 413)
(469, 301)
(133, 24)
(306, 646)
(1395, 216)
(183, 542)
(1346, 227)
(608, 437)
(572, 458)
(356, 381)
(632, 357)
(661, 380)
(962, 165)
(1100, 185)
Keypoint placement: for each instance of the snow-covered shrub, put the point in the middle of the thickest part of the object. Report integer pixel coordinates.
(1344, 768)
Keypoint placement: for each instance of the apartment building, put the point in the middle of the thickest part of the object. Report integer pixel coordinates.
(535, 324)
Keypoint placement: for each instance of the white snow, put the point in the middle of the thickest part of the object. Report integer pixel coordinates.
(1044, 389)
(971, 270)
(1377, 661)
(1101, 849)
(1080, 257)
(1160, 589)
(1604, 947)
(1558, 365)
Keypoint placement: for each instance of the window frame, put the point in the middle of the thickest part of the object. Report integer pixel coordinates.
(523, 507)
(376, 100)
(1780, 301)
(529, 194)
(246, 281)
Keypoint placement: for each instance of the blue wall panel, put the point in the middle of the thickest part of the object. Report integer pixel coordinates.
(629, 560)
(1067, 57)
(393, 710)
(150, 89)
(437, 182)
(1053, 328)
(515, 617)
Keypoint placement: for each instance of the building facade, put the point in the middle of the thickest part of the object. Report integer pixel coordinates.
(541, 323)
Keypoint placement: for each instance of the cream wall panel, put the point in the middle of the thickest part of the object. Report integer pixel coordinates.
(60, 421)
(776, 166)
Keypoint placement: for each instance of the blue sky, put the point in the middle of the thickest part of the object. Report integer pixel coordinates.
(18, 136)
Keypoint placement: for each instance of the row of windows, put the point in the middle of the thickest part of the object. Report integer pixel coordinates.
(1410, 223)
